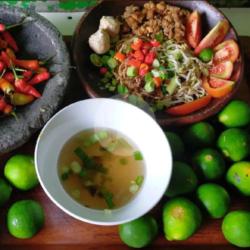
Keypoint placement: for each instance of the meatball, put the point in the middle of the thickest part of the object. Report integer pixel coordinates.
(99, 42)
(110, 24)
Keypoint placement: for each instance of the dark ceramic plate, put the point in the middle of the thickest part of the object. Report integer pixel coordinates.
(90, 77)
(38, 38)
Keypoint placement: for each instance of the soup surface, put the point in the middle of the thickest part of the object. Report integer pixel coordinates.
(101, 169)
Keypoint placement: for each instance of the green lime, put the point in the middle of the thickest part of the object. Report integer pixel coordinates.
(176, 144)
(235, 114)
(236, 228)
(20, 171)
(214, 198)
(206, 55)
(25, 218)
(183, 180)
(5, 191)
(181, 219)
(234, 143)
(198, 135)
(209, 163)
(239, 176)
(140, 232)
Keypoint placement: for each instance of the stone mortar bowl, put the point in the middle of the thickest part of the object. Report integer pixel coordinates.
(37, 38)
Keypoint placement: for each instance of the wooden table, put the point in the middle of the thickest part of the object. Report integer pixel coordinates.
(61, 232)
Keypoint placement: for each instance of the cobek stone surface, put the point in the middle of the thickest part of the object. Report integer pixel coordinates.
(37, 38)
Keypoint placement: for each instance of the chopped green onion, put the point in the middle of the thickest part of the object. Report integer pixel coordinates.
(112, 63)
(111, 88)
(76, 167)
(139, 180)
(169, 74)
(105, 59)
(159, 37)
(164, 89)
(123, 161)
(132, 71)
(76, 193)
(156, 63)
(133, 188)
(96, 137)
(96, 60)
(114, 82)
(111, 53)
(88, 162)
(108, 75)
(105, 80)
(138, 156)
(148, 77)
(155, 72)
(149, 87)
(65, 176)
(108, 197)
(122, 89)
(65, 169)
(171, 87)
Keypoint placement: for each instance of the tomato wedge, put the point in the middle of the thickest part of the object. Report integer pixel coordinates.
(193, 29)
(226, 51)
(189, 107)
(217, 87)
(222, 70)
(214, 37)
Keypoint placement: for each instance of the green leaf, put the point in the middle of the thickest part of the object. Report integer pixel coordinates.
(138, 156)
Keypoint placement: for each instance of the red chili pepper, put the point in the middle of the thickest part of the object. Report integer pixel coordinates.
(155, 43)
(11, 54)
(27, 75)
(146, 45)
(20, 99)
(103, 70)
(138, 55)
(39, 78)
(2, 66)
(137, 44)
(3, 44)
(10, 40)
(5, 107)
(25, 88)
(134, 63)
(2, 27)
(144, 68)
(5, 58)
(6, 86)
(149, 58)
(8, 76)
(41, 69)
(27, 64)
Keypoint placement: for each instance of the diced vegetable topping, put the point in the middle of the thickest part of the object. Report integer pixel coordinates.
(132, 71)
(138, 156)
(96, 60)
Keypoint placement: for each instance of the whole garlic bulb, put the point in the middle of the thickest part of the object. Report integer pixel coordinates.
(99, 42)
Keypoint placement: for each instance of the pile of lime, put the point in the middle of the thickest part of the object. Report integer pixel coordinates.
(24, 217)
(212, 156)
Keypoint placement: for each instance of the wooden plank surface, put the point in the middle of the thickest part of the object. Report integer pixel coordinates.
(61, 232)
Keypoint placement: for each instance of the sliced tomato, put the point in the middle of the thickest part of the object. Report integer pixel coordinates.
(226, 51)
(214, 37)
(144, 69)
(222, 70)
(138, 55)
(157, 81)
(134, 63)
(193, 29)
(149, 58)
(137, 44)
(155, 43)
(217, 87)
(189, 107)
(119, 56)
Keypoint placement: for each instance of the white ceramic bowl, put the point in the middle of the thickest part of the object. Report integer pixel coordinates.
(125, 118)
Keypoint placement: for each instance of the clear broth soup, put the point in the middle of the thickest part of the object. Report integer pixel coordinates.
(101, 169)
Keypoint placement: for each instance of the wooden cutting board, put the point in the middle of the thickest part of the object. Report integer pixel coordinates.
(61, 232)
